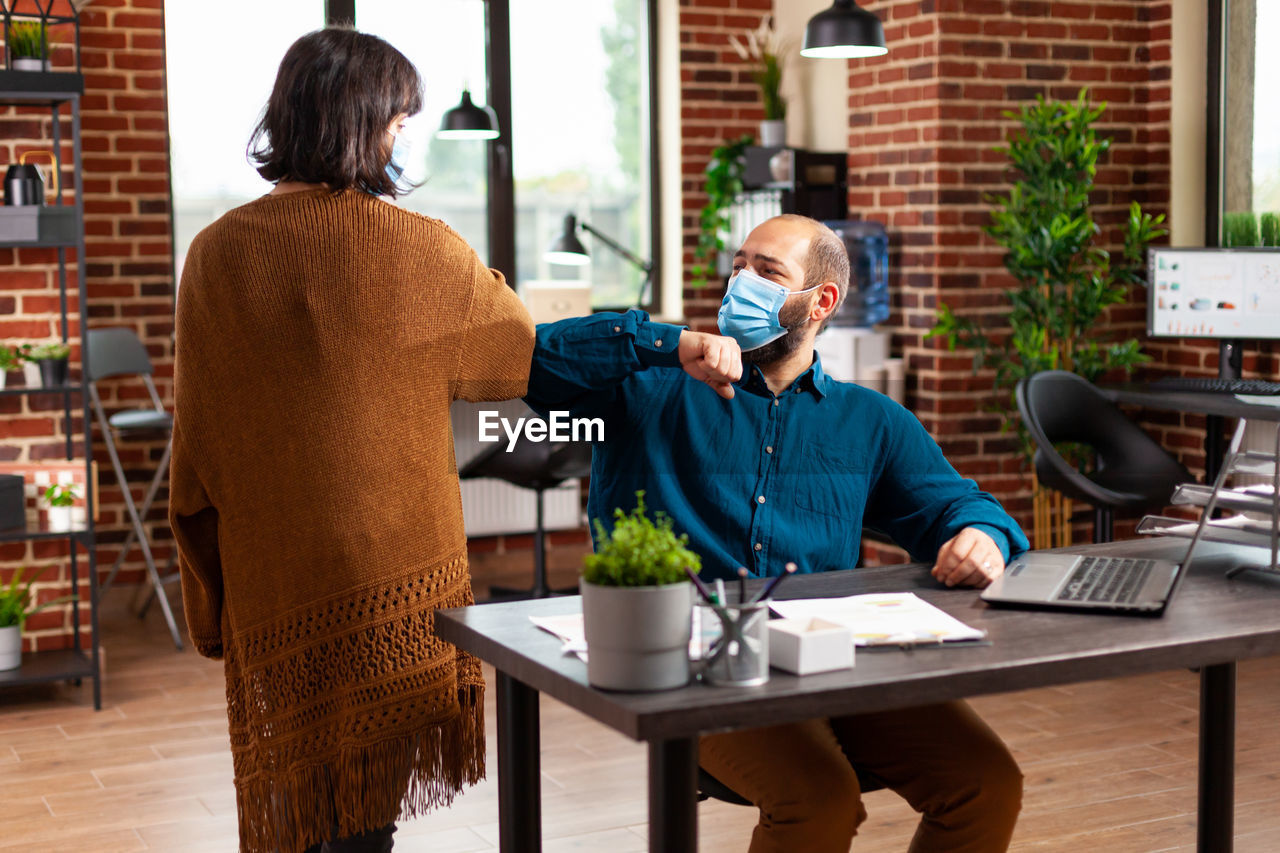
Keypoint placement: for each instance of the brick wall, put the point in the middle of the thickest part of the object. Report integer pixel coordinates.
(128, 276)
(922, 122)
(960, 67)
(718, 102)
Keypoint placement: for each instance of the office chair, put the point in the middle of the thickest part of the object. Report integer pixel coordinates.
(1133, 472)
(111, 353)
(538, 466)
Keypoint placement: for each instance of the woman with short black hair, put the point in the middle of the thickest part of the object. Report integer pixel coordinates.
(322, 334)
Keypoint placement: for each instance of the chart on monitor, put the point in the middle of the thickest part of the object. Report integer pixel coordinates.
(1214, 293)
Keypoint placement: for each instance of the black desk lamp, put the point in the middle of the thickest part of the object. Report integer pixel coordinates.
(568, 250)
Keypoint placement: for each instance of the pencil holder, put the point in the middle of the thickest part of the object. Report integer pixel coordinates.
(735, 643)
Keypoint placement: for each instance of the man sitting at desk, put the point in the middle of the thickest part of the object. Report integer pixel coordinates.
(779, 463)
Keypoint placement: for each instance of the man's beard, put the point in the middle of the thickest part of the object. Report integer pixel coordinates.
(793, 318)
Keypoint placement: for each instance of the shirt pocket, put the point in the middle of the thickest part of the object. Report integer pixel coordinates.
(832, 483)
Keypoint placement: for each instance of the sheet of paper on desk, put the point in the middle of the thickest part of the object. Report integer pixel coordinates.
(568, 628)
(573, 635)
(883, 619)
(1259, 399)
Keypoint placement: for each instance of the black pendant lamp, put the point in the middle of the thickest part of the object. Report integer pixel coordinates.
(468, 121)
(844, 32)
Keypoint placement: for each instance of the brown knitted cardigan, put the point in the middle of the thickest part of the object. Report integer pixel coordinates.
(314, 497)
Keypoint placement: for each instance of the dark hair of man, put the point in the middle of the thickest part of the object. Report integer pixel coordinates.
(335, 95)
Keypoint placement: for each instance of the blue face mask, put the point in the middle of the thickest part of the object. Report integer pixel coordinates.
(400, 150)
(750, 311)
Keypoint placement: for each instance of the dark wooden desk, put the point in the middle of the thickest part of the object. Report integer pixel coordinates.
(1216, 406)
(1212, 623)
(1222, 405)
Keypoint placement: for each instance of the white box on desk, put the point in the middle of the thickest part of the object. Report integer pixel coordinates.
(805, 646)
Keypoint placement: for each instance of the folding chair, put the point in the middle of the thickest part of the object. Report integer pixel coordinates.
(113, 353)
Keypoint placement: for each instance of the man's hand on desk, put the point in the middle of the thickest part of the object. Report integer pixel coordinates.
(712, 359)
(970, 558)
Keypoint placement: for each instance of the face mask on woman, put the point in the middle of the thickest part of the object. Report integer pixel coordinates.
(401, 148)
(750, 310)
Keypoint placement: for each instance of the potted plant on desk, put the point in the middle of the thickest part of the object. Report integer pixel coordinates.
(637, 603)
(15, 607)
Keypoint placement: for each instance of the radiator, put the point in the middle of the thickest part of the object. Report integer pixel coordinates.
(491, 507)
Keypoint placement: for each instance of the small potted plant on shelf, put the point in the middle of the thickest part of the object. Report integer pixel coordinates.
(29, 46)
(52, 361)
(9, 361)
(764, 49)
(61, 499)
(637, 603)
(15, 606)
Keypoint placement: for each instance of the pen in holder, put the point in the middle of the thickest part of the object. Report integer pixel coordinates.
(734, 643)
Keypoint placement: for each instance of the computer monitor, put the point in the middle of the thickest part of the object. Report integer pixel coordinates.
(1226, 294)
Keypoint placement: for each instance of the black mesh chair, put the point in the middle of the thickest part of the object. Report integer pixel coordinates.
(539, 466)
(1133, 473)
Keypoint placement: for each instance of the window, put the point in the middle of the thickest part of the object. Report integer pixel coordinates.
(454, 173)
(577, 74)
(219, 72)
(582, 142)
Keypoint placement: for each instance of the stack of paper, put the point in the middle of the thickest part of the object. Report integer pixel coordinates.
(883, 619)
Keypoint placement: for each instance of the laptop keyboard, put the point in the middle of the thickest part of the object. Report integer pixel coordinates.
(1113, 580)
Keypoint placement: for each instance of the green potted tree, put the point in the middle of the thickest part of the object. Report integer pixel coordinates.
(28, 46)
(61, 499)
(16, 604)
(53, 362)
(1051, 319)
(637, 603)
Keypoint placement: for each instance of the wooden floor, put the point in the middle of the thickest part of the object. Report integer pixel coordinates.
(1110, 766)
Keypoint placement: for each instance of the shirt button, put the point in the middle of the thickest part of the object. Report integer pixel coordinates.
(658, 342)
(759, 547)
(775, 401)
(617, 328)
(769, 449)
(760, 499)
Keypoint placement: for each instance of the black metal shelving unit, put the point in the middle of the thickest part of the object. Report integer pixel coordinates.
(61, 228)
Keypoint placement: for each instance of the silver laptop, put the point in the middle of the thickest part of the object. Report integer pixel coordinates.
(1073, 582)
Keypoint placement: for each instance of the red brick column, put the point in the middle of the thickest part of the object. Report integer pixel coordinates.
(719, 102)
(923, 122)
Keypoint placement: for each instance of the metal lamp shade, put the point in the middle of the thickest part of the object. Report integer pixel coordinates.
(468, 121)
(844, 32)
(567, 248)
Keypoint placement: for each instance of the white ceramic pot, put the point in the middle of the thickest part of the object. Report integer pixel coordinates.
(60, 517)
(10, 647)
(773, 133)
(30, 63)
(637, 637)
(4, 375)
(31, 374)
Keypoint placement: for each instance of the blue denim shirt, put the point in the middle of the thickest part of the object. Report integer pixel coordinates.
(759, 480)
